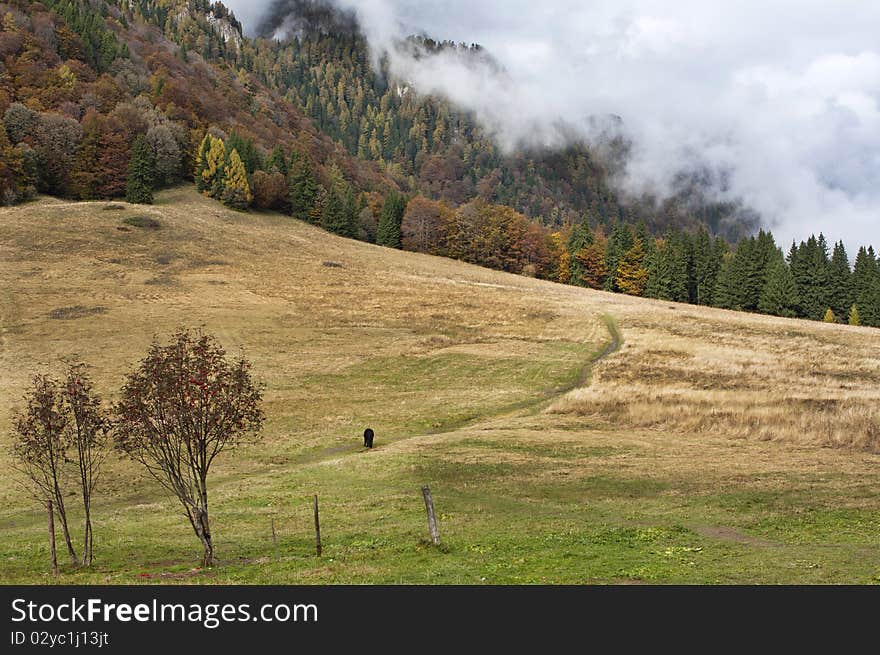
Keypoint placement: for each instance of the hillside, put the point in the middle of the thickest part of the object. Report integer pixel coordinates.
(713, 446)
(310, 126)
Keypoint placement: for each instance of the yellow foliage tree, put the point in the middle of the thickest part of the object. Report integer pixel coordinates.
(560, 255)
(632, 276)
(830, 317)
(236, 190)
(212, 165)
(854, 318)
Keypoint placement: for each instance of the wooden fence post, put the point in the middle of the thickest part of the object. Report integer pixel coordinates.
(275, 541)
(53, 553)
(432, 517)
(317, 528)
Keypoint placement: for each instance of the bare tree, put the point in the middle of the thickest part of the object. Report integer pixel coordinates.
(183, 405)
(88, 429)
(41, 443)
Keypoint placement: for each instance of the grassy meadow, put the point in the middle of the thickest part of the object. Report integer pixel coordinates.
(705, 447)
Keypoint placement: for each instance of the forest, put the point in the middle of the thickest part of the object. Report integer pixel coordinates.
(103, 100)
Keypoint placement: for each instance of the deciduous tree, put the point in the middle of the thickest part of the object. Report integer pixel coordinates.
(88, 428)
(41, 443)
(236, 189)
(184, 405)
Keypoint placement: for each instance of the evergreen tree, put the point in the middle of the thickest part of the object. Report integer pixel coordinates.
(870, 304)
(139, 188)
(351, 210)
(388, 233)
(304, 189)
(779, 296)
(707, 258)
(866, 287)
(581, 237)
(811, 268)
(702, 259)
(749, 271)
(333, 214)
(725, 293)
(743, 277)
(277, 162)
(246, 150)
(765, 253)
(829, 316)
(840, 281)
(680, 266)
(619, 242)
(236, 190)
(659, 266)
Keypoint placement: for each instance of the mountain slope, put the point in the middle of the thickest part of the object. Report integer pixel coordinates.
(135, 79)
(309, 126)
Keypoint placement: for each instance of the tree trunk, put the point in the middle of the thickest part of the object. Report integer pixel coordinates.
(87, 541)
(87, 508)
(52, 552)
(203, 532)
(62, 514)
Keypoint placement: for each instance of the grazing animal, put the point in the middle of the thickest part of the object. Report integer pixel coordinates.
(368, 438)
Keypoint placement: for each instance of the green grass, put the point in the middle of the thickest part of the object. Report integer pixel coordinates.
(502, 522)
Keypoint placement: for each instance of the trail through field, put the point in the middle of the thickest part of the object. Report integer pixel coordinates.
(510, 411)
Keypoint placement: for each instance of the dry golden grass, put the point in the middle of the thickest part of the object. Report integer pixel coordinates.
(700, 371)
(80, 282)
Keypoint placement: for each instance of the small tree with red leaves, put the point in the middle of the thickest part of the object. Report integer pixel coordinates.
(88, 434)
(41, 443)
(182, 406)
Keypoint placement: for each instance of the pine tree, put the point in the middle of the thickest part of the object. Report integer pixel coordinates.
(811, 268)
(749, 271)
(619, 242)
(247, 152)
(724, 294)
(779, 296)
(866, 287)
(139, 188)
(829, 316)
(840, 281)
(388, 233)
(333, 214)
(236, 190)
(351, 210)
(581, 237)
(659, 266)
(304, 189)
(277, 162)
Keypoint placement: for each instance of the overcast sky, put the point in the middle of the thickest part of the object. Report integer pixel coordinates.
(784, 95)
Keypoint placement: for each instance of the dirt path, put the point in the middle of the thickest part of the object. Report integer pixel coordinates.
(513, 410)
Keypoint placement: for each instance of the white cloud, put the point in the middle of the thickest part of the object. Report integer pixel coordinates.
(783, 94)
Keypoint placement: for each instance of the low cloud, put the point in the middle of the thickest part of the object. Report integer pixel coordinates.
(781, 96)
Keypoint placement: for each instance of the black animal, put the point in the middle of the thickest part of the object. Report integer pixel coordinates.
(368, 438)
